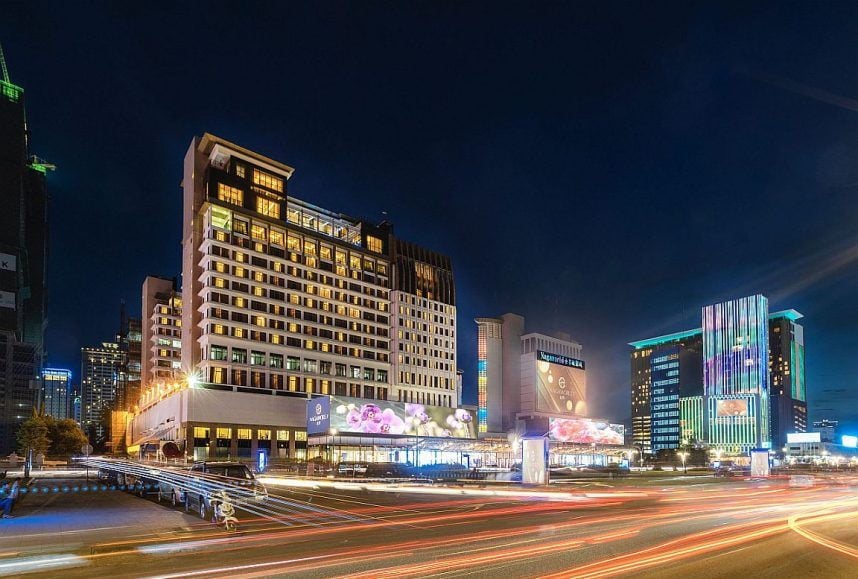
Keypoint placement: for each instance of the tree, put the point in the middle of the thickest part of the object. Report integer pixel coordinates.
(33, 434)
(66, 437)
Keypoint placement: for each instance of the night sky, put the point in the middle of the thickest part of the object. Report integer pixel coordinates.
(603, 169)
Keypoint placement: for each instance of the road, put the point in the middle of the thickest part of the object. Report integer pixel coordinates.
(318, 529)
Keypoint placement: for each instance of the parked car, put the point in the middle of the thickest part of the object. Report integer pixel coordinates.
(206, 478)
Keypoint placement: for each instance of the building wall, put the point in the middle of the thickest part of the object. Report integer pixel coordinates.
(57, 392)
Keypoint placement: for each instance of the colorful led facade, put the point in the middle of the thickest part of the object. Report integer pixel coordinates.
(691, 419)
(482, 380)
(736, 373)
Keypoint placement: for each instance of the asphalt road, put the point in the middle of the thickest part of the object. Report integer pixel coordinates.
(717, 529)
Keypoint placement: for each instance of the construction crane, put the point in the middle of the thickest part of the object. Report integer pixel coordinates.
(3, 68)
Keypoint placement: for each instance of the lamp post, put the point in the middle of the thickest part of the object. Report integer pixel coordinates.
(683, 455)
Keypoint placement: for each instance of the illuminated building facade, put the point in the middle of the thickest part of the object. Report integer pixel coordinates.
(736, 373)
(100, 371)
(23, 265)
(162, 332)
(283, 300)
(57, 394)
(130, 338)
(787, 375)
(734, 400)
(423, 305)
(508, 383)
(664, 372)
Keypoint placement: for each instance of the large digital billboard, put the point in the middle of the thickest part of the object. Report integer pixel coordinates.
(585, 431)
(360, 416)
(802, 437)
(561, 384)
(731, 407)
(534, 461)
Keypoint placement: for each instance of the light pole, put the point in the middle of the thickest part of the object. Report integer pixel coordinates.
(683, 455)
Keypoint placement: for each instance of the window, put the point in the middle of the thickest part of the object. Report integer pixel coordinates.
(368, 374)
(310, 247)
(218, 353)
(218, 329)
(244, 434)
(257, 358)
(300, 435)
(293, 243)
(258, 232)
(293, 363)
(275, 360)
(277, 239)
(293, 215)
(239, 356)
(263, 434)
(221, 218)
(311, 366)
(224, 433)
(325, 253)
(268, 207)
(267, 180)
(239, 227)
(373, 244)
(239, 170)
(219, 375)
(201, 432)
(282, 435)
(230, 194)
(354, 261)
(381, 375)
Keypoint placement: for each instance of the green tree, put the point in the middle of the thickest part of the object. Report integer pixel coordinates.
(33, 434)
(66, 437)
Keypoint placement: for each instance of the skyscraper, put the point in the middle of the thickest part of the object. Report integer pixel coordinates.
(746, 372)
(100, 372)
(736, 373)
(57, 392)
(667, 385)
(162, 332)
(23, 262)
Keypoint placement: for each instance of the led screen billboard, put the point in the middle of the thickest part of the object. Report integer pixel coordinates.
(584, 430)
(849, 441)
(732, 407)
(561, 384)
(800, 437)
(534, 461)
(360, 416)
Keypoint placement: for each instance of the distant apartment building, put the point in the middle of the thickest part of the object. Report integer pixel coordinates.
(745, 385)
(162, 332)
(57, 393)
(23, 265)
(129, 337)
(283, 300)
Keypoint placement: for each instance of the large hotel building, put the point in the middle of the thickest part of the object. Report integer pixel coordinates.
(282, 300)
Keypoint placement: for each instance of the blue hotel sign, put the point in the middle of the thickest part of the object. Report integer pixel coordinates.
(319, 415)
(558, 359)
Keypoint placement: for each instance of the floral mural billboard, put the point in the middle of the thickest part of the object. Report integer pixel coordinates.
(585, 430)
(361, 416)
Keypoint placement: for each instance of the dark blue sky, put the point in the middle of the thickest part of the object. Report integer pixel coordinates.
(601, 168)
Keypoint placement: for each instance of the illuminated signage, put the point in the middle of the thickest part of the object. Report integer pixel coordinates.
(585, 431)
(559, 359)
(319, 415)
(849, 441)
(360, 416)
(799, 437)
(732, 407)
(561, 388)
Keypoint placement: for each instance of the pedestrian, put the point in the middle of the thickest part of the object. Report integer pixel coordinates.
(8, 494)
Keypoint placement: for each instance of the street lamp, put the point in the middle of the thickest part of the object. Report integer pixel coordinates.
(683, 456)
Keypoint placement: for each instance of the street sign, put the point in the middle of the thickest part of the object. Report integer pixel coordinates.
(86, 449)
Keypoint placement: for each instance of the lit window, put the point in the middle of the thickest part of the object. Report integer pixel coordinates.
(310, 247)
(224, 432)
(259, 321)
(239, 170)
(201, 432)
(218, 329)
(268, 207)
(300, 435)
(221, 218)
(373, 244)
(341, 257)
(219, 282)
(293, 243)
(263, 434)
(258, 232)
(240, 272)
(230, 194)
(282, 435)
(276, 237)
(354, 261)
(240, 227)
(325, 253)
(293, 216)
(240, 257)
(267, 180)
